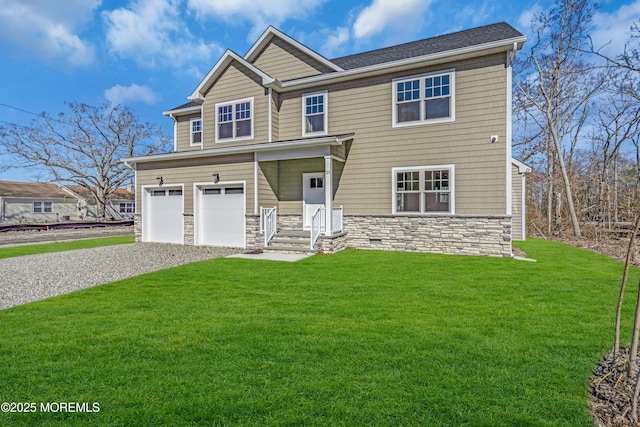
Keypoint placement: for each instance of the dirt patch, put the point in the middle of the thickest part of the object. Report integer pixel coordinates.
(612, 391)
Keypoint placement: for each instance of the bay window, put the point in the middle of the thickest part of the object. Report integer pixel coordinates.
(423, 189)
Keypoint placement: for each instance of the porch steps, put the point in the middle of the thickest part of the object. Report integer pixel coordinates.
(290, 241)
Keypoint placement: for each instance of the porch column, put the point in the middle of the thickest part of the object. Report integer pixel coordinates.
(328, 195)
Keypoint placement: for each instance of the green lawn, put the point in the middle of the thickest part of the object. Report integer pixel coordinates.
(357, 338)
(22, 250)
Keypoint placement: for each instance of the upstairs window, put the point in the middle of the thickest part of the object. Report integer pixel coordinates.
(42, 207)
(423, 189)
(314, 114)
(234, 120)
(196, 131)
(423, 99)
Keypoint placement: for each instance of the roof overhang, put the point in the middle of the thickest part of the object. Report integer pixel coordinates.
(227, 58)
(279, 150)
(183, 111)
(505, 45)
(522, 168)
(272, 32)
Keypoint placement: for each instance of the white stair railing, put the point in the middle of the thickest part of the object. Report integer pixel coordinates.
(268, 223)
(317, 225)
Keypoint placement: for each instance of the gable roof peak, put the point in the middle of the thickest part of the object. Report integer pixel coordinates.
(272, 32)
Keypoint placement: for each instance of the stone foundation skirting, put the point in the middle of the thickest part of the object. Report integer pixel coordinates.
(448, 234)
(488, 235)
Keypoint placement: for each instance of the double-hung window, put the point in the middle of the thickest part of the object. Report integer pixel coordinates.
(314, 114)
(423, 189)
(424, 99)
(234, 120)
(196, 131)
(42, 207)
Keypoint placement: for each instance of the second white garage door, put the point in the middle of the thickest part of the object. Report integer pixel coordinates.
(220, 214)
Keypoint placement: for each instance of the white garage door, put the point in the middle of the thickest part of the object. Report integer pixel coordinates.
(163, 214)
(220, 216)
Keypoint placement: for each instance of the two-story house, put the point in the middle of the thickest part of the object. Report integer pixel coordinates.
(402, 148)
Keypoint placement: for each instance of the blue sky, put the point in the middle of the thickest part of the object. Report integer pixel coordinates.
(151, 54)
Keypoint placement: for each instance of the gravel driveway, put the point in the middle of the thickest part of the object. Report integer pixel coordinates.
(35, 277)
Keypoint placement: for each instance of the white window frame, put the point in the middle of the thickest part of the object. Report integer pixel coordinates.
(42, 208)
(234, 103)
(325, 101)
(421, 170)
(127, 207)
(191, 132)
(422, 98)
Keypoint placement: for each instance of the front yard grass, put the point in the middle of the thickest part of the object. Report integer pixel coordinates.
(23, 250)
(356, 338)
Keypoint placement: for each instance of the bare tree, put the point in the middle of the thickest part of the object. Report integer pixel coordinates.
(561, 85)
(84, 146)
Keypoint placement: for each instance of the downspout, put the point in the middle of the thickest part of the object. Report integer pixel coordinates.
(270, 115)
(175, 134)
(509, 129)
(1, 208)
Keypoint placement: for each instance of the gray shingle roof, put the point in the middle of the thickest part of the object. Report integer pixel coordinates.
(32, 189)
(461, 39)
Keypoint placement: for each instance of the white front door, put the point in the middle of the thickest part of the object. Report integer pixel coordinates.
(312, 195)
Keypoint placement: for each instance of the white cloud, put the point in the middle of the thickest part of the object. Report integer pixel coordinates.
(48, 30)
(334, 41)
(404, 16)
(612, 29)
(260, 13)
(132, 93)
(152, 33)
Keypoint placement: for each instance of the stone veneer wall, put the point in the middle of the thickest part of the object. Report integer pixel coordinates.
(254, 239)
(137, 227)
(448, 234)
(189, 236)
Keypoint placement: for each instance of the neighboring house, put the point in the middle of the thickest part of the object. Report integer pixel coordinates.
(403, 148)
(120, 205)
(25, 202)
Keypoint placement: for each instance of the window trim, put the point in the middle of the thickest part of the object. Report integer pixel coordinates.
(126, 206)
(422, 191)
(234, 103)
(325, 96)
(423, 98)
(43, 209)
(191, 132)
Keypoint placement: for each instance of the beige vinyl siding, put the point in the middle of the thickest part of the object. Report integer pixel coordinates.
(268, 184)
(236, 82)
(516, 204)
(365, 107)
(282, 61)
(290, 182)
(275, 117)
(184, 133)
(189, 171)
